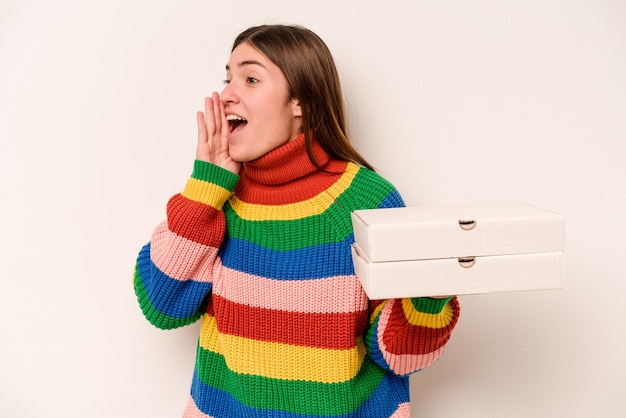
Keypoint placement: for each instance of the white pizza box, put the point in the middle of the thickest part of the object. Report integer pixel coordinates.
(443, 231)
(458, 249)
(459, 275)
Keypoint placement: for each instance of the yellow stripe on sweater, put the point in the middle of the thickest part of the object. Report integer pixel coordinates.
(377, 311)
(417, 318)
(204, 192)
(292, 211)
(282, 361)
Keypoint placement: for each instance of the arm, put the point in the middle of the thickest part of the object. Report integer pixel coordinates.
(407, 335)
(175, 270)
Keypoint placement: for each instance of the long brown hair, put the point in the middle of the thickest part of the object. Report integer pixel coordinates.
(311, 74)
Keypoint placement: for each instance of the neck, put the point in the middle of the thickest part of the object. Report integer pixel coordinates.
(286, 163)
(287, 174)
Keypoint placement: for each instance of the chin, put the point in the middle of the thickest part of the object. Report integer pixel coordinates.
(242, 158)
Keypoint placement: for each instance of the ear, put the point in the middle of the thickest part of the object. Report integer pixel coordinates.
(295, 107)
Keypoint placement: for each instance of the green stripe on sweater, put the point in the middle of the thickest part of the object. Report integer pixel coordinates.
(295, 234)
(313, 398)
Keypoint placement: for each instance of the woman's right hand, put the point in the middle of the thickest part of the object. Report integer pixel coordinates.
(212, 135)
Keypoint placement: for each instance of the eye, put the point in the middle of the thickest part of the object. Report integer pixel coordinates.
(226, 81)
(251, 80)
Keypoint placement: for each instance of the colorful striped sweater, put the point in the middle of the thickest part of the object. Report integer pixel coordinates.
(287, 331)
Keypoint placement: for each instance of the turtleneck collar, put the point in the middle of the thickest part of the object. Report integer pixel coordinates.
(286, 163)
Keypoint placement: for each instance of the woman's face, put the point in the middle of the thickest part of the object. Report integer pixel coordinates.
(256, 103)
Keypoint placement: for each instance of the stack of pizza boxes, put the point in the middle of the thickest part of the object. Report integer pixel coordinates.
(458, 249)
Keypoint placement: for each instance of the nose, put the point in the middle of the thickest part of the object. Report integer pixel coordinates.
(229, 94)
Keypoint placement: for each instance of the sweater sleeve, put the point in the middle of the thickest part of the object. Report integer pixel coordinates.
(407, 335)
(174, 272)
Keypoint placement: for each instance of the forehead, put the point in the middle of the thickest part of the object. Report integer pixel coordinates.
(245, 55)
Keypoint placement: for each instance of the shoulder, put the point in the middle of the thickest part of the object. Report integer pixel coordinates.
(369, 190)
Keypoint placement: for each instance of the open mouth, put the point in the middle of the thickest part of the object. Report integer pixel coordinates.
(235, 123)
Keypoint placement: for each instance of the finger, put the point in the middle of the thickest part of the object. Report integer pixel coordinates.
(202, 135)
(224, 130)
(209, 118)
(218, 112)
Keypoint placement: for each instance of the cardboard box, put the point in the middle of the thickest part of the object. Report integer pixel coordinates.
(425, 232)
(458, 249)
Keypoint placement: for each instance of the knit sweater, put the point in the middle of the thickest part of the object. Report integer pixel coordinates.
(287, 331)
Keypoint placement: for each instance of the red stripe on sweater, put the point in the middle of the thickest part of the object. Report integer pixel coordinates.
(320, 330)
(305, 188)
(398, 336)
(195, 221)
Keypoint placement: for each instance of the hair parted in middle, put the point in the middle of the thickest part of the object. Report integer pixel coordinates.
(312, 79)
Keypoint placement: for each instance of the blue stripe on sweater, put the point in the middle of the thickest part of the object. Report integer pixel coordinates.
(171, 297)
(325, 260)
(392, 200)
(319, 261)
(391, 392)
(373, 348)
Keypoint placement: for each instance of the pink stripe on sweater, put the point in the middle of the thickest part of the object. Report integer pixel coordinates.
(403, 411)
(192, 411)
(339, 294)
(180, 258)
(402, 363)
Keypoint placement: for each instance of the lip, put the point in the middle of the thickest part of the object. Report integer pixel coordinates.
(233, 117)
(238, 129)
(233, 114)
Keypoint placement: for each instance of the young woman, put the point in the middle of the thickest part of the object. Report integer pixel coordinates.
(257, 245)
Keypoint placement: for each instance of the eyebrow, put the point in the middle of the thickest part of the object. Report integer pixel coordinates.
(246, 62)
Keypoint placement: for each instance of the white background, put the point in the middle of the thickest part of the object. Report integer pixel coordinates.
(453, 101)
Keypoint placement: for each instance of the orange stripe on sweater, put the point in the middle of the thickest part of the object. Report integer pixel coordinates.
(412, 339)
(319, 330)
(196, 221)
(402, 363)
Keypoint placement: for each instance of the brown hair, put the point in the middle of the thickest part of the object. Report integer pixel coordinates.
(308, 65)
